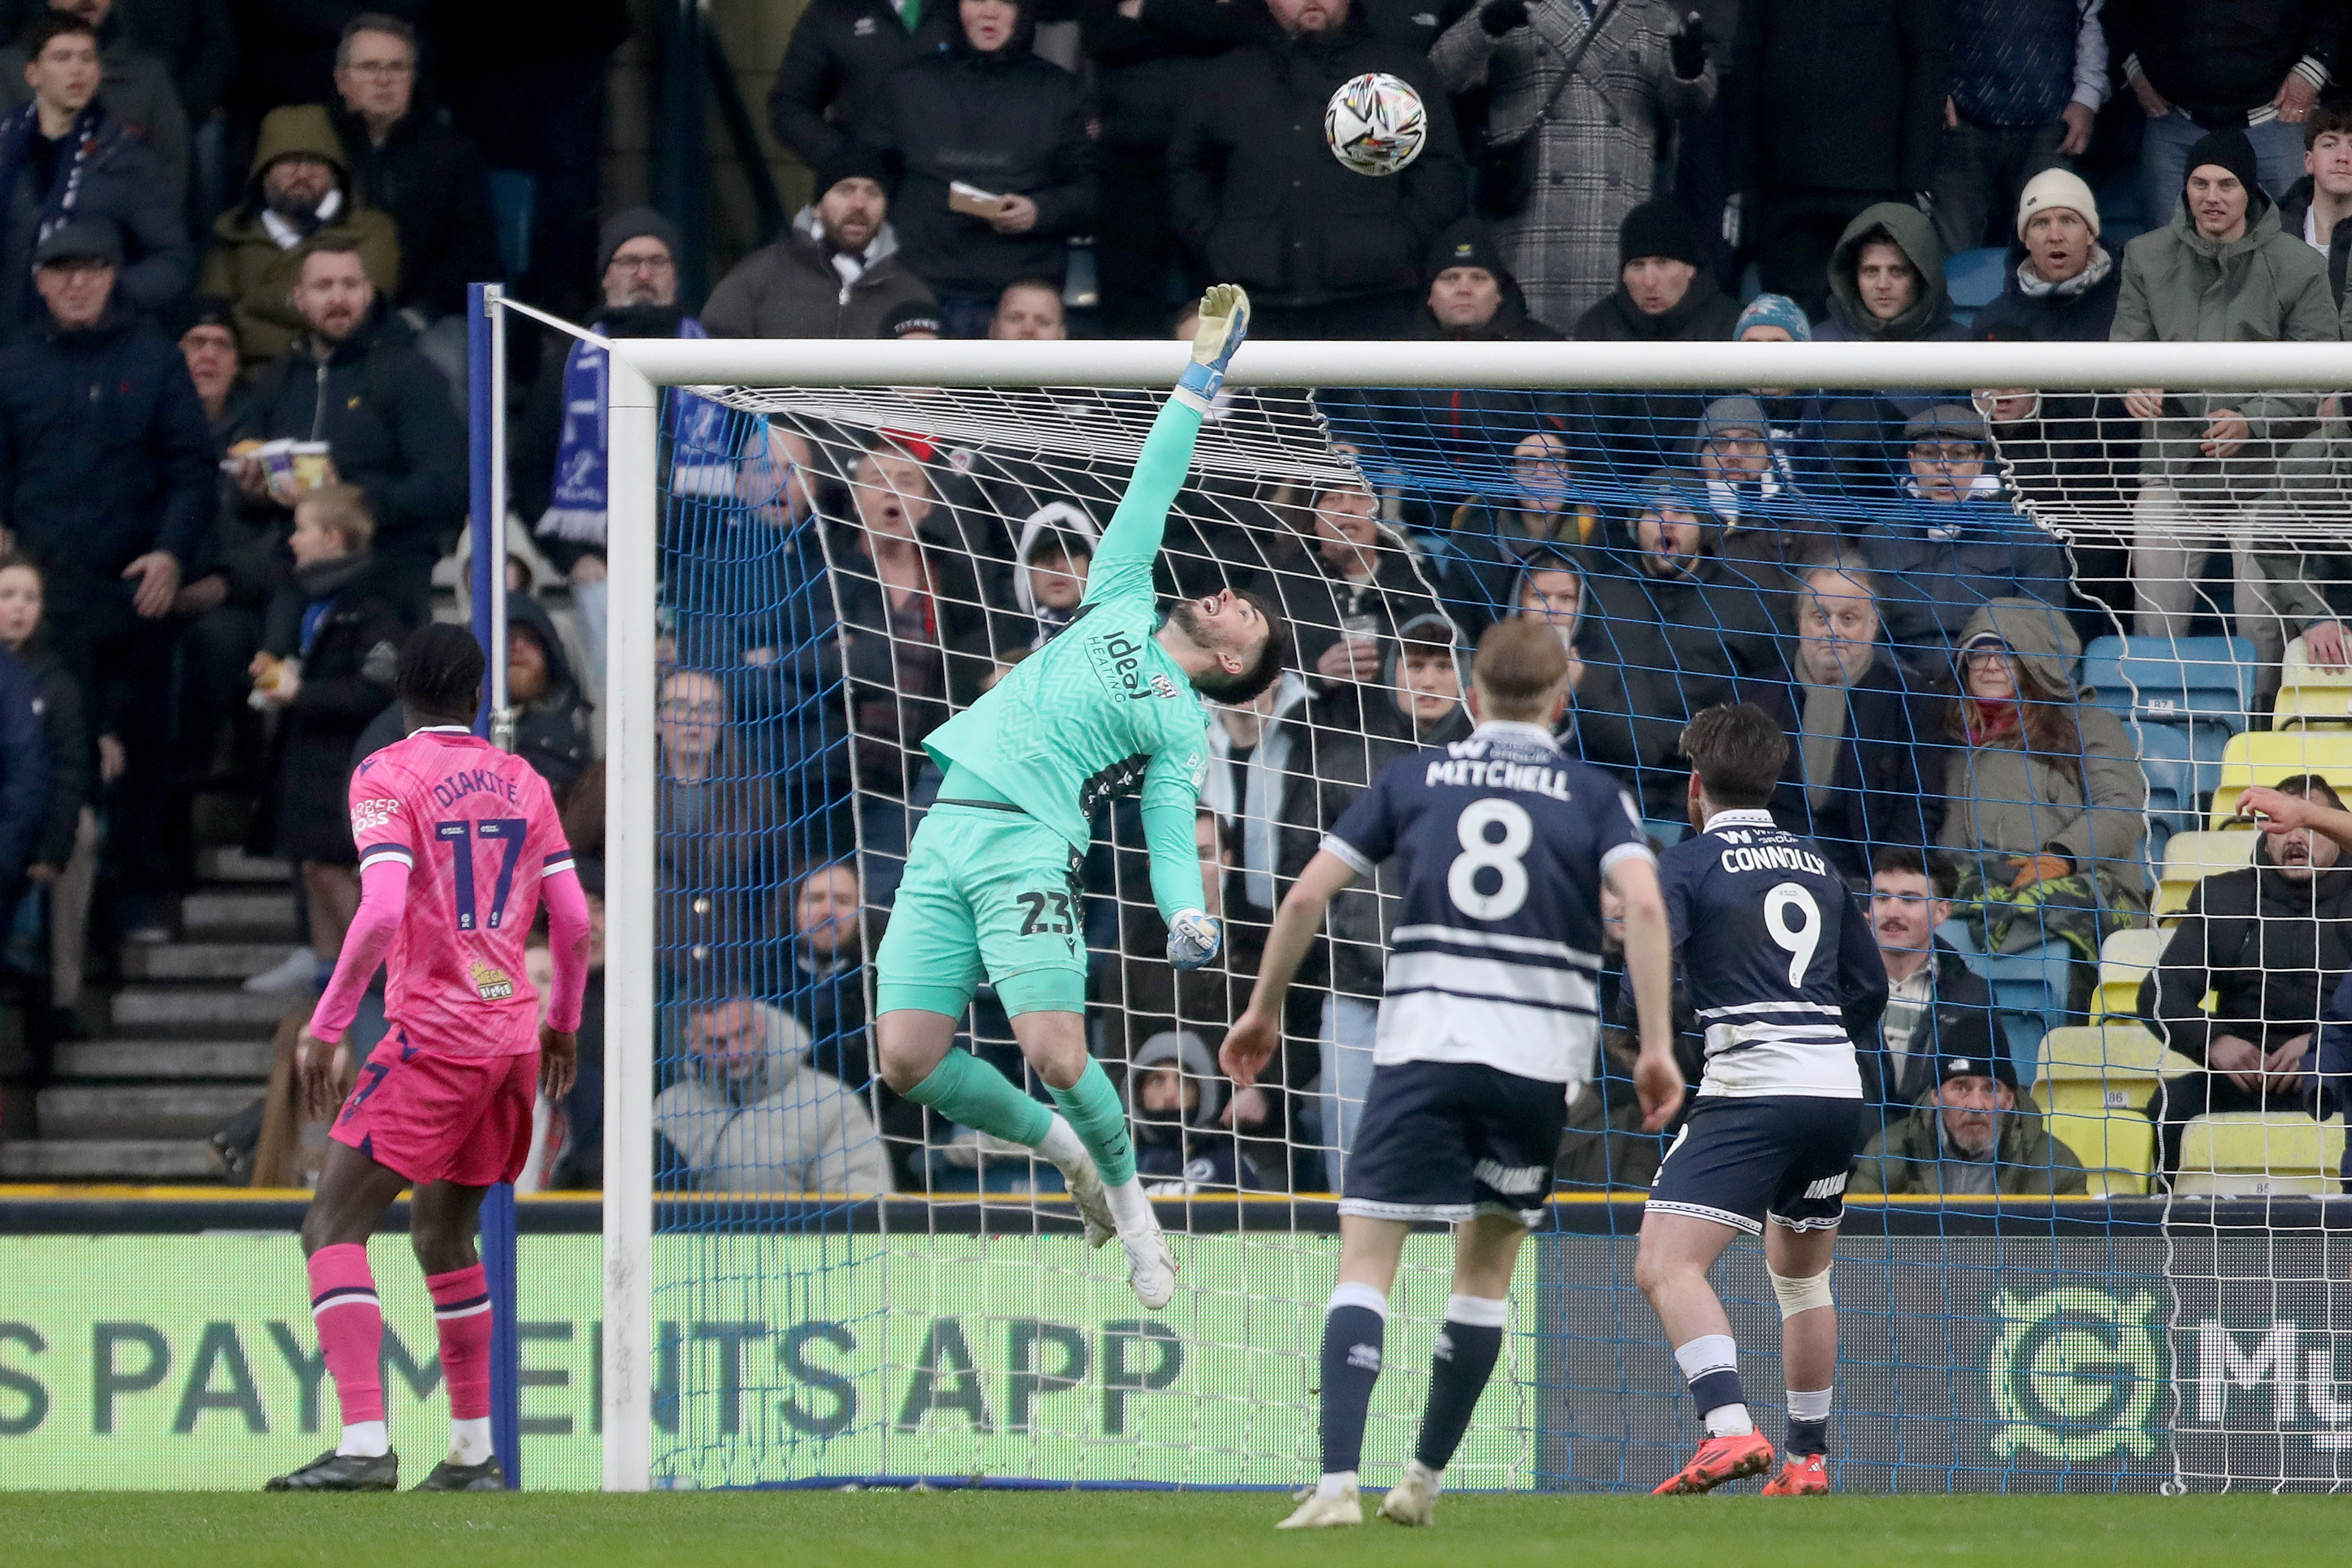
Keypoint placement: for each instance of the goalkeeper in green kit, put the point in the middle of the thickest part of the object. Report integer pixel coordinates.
(992, 881)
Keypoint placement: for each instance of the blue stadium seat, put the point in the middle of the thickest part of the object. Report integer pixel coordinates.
(2029, 998)
(514, 196)
(2183, 765)
(2165, 680)
(1955, 934)
(1974, 280)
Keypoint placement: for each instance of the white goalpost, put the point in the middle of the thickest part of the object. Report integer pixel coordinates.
(1582, 1340)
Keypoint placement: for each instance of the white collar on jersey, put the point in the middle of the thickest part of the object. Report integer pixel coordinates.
(443, 729)
(1742, 818)
(1515, 729)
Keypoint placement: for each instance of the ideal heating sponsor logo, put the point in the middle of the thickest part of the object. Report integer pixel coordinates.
(2285, 1377)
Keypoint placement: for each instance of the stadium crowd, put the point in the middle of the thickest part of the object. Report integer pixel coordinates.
(212, 555)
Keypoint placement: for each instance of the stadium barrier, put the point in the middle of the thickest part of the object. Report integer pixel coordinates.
(2074, 1345)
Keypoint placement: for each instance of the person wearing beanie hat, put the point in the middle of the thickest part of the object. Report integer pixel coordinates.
(2221, 270)
(1978, 1134)
(1663, 293)
(913, 321)
(1591, 141)
(1771, 318)
(637, 223)
(2061, 283)
(1472, 295)
(836, 273)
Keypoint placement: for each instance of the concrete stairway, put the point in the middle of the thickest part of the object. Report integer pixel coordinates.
(185, 1048)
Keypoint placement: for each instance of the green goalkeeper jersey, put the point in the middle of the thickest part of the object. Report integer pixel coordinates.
(1102, 702)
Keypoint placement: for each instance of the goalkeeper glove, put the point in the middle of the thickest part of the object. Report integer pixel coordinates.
(1192, 939)
(1688, 49)
(1224, 322)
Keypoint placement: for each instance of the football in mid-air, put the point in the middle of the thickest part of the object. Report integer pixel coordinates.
(1375, 123)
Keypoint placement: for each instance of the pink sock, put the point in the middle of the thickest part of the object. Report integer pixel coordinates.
(461, 1310)
(350, 1328)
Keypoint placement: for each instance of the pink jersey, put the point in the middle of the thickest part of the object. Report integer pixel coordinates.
(477, 830)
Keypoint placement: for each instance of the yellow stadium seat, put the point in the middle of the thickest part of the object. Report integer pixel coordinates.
(2115, 1149)
(2255, 1155)
(2094, 1071)
(2124, 960)
(2190, 858)
(2265, 757)
(2309, 694)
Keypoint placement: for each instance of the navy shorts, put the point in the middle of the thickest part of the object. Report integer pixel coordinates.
(1741, 1161)
(1447, 1140)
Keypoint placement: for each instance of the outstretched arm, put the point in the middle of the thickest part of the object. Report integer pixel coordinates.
(1250, 1044)
(1130, 544)
(2275, 812)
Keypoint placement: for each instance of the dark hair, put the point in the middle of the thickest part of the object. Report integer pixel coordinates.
(49, 27)
(440, 674)
(373, 22)
(1738, 751)
(1030, 281)
(2325, 118)
(329, 245)
(1518, 664)
(1273, 657)
(1903, 860)
(2304, 784)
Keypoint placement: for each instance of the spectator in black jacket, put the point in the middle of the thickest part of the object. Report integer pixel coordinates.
(2196, 66)
(1842, 106)
(1681, 629)
(325, 669)
(385, 414)
(1145, 55)
(1259, 200)
(551, 712)
(826, 987)
(1936, 1006)
(106, 479)
(988, 113)
(62, 859)
(412, 161)
(837, 273)
(2271, 943)
(828, 91)
(2315, 205)
(2063, 283)
(2027, 78)
(195, 40)
(1858, 777)
(63, 156)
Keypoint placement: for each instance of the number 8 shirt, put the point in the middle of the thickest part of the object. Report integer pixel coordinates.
(1496, 955)
(478, 829)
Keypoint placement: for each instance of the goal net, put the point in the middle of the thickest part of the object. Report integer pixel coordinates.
(2028, 646)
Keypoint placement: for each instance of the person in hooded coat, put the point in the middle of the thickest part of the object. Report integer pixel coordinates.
(1174, 1098)
(551, 713)
(1886, 286)
(986, 111)
(2045, 802)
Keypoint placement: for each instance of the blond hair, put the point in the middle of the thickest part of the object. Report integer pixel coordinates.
(343, 510)
(1519, 666)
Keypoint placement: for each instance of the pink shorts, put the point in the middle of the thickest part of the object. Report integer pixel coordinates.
(433, 1116)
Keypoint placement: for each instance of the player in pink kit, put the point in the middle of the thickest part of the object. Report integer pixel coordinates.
(459, 846)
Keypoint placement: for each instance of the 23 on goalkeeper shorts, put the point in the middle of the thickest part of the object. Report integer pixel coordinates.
(989, 893)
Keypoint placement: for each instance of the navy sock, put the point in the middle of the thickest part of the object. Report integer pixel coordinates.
(1354, 1333)
(1807, 1437)
(1459, 1369)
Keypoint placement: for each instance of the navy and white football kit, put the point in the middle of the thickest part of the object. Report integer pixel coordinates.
(1489, 1011)
(1784, 973)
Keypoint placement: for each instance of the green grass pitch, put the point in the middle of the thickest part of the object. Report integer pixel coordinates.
(1195, 1530)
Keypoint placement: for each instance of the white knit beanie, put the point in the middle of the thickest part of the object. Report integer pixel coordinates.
(2057, 188)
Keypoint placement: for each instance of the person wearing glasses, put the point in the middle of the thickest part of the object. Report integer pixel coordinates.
(414, 165)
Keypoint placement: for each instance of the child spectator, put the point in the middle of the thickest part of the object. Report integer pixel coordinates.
(329, 650)
(62, 859)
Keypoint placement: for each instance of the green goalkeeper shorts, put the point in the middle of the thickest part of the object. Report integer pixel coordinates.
(990, 894)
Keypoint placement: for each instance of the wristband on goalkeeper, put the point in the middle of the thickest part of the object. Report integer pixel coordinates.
(1194, 939)
(1225, 323)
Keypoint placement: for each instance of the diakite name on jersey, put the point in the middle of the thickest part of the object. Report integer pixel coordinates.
(456, 787)
(1475, 773)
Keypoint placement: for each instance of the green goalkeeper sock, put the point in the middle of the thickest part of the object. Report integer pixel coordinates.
(1092, 1108)
(970, 1093)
